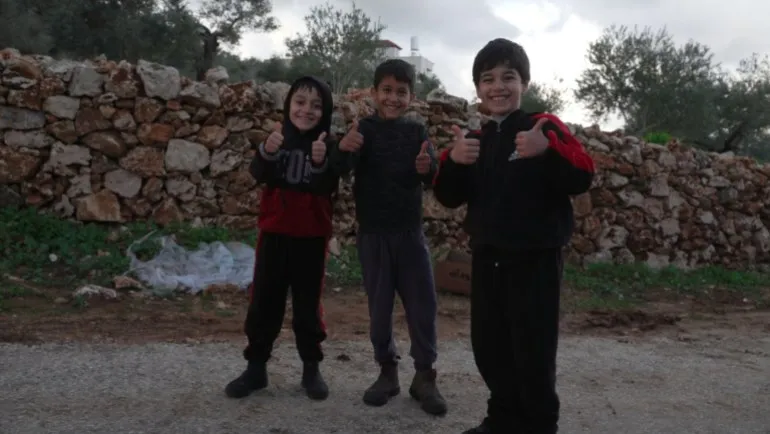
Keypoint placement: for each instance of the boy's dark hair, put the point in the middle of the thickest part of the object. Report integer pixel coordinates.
(399, 69)
(499, 52)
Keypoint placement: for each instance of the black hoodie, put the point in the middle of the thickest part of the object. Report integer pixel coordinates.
(297, 196)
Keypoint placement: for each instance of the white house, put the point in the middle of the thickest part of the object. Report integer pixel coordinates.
(391, 50)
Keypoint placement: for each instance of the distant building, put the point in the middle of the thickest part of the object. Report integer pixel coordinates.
(391, 50)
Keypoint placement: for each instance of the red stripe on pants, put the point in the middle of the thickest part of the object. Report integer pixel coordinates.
(256, 258)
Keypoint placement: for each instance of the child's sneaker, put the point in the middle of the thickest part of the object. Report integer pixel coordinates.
(252, 379)
(313, 382)
(385, 387)
(424, 390)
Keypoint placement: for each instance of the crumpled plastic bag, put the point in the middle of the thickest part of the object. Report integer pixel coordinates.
(175, 268)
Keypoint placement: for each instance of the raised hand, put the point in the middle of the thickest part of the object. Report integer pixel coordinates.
(318, 150)
(464, 151)
(274, 140)
(422, 162)
(533, 142)
(353, 140)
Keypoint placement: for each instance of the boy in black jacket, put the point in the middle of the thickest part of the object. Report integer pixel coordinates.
(392, 159)
(295, 223)
(516, 175)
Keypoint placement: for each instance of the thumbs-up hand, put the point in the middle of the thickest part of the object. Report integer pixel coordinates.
(533, 142)
(353, 140)
(422, 162)
(318, 150)
(464, 151)
(274, 140)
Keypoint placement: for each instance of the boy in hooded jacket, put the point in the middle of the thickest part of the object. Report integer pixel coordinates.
(295, 224)
(516, 176)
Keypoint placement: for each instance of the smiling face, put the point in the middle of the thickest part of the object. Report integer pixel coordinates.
(392, 98)
(500, 90)
(305, 108)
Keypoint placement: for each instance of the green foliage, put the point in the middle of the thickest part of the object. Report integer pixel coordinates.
(426, 83)
(231, 18)
(540, 98)
(660, 138)
(22, 28)
(44, 249)
(342, 45)
(654, 84)
(165, 31)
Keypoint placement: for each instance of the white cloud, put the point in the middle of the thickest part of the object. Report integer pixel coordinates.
(555, 33)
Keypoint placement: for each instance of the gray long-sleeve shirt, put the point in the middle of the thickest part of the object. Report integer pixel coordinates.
(387, 188)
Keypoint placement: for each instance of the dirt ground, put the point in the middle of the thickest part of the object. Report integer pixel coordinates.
(706, 377)
(47, 315)
(157, 365)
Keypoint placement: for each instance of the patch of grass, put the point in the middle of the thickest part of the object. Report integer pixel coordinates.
(52, 252)
(44, 249)
(623, 285)
(9, 291)
(344, 269)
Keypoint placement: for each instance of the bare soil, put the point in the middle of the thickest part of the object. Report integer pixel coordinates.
(52, 315)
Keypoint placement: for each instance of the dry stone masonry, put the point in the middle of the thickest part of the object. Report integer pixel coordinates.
(114, 142)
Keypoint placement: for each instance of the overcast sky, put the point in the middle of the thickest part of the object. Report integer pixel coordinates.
(555, 34)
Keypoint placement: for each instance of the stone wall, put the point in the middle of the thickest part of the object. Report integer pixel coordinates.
(113, 142)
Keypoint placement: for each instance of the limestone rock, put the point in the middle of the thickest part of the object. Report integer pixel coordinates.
(99, 207)
(201, 94)
(62, 106)
(186, 156)
(16, 166)
(20, 119)
(123, 183)
(159, 81)
(86, 81)
(35, 139)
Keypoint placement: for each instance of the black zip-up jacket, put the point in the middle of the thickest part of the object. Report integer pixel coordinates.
(387, 188)
(517, 203)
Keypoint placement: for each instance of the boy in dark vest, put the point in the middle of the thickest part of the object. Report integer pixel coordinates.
(392, 160)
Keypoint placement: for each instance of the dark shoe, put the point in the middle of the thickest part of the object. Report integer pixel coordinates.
(424, 390)
(481, 429)
(385, 387)
(313, 382)
(252, 379)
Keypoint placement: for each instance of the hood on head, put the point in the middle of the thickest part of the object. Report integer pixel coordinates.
(324, 125)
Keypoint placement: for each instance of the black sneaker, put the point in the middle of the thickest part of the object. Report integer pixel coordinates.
(385, 387)
(252, 379)
(313, 382)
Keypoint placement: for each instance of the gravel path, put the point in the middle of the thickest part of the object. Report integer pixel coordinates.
(644, 386)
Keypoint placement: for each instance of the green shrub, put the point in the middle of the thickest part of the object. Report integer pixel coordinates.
(658, 137)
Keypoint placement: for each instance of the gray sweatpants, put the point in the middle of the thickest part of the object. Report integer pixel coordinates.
(399, 263)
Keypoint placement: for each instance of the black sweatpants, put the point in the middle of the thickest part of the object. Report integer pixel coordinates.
(399, 263)
(284, 261)
(514, 333)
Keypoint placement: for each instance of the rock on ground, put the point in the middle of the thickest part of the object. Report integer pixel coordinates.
(654, 385)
